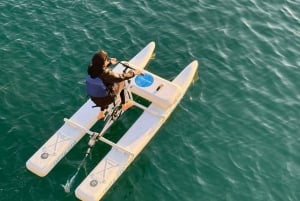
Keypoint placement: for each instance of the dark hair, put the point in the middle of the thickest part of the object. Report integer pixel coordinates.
(96, 67)
(99, 59)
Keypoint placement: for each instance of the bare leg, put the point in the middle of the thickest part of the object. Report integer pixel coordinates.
(127, 105)
(101, 114)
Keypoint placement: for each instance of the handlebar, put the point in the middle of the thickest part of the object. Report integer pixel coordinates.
(127, 65)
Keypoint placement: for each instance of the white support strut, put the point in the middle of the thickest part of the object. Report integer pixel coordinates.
(147, 110)
(114, 145)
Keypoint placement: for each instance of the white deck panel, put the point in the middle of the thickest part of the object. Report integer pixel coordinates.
(164, 97)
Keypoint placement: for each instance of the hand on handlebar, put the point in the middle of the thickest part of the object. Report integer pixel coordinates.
(113, 61)
(137, 72)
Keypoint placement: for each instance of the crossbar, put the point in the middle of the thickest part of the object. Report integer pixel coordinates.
(147, 110)
(114, 145)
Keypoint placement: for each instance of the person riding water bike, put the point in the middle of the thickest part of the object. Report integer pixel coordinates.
(104, 86)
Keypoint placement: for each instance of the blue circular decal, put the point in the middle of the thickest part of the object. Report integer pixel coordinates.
(144, 80)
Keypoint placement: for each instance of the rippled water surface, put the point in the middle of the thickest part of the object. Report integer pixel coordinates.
(235, 134)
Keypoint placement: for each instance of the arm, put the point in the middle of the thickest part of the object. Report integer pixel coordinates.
(109, 76)
(112, 77)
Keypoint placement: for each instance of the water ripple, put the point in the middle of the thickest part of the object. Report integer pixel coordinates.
(234, 135)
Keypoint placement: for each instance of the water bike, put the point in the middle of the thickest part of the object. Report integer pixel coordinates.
(163, 95)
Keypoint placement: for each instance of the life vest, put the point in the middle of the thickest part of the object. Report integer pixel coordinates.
(95, 87)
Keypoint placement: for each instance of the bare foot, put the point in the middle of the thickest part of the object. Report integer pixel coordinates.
(101, 115)
(127, 105)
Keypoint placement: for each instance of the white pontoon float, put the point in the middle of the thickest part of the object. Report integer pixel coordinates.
(164, 96)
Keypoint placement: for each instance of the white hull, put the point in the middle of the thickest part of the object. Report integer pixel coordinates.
(45, 159)
(103, 176)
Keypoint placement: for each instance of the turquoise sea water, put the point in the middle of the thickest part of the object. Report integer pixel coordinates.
(235, 134)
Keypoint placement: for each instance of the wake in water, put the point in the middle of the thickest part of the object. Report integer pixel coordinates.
(67, 187)
(69, 184)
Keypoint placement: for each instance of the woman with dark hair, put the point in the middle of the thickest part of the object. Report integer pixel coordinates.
(103, 85)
